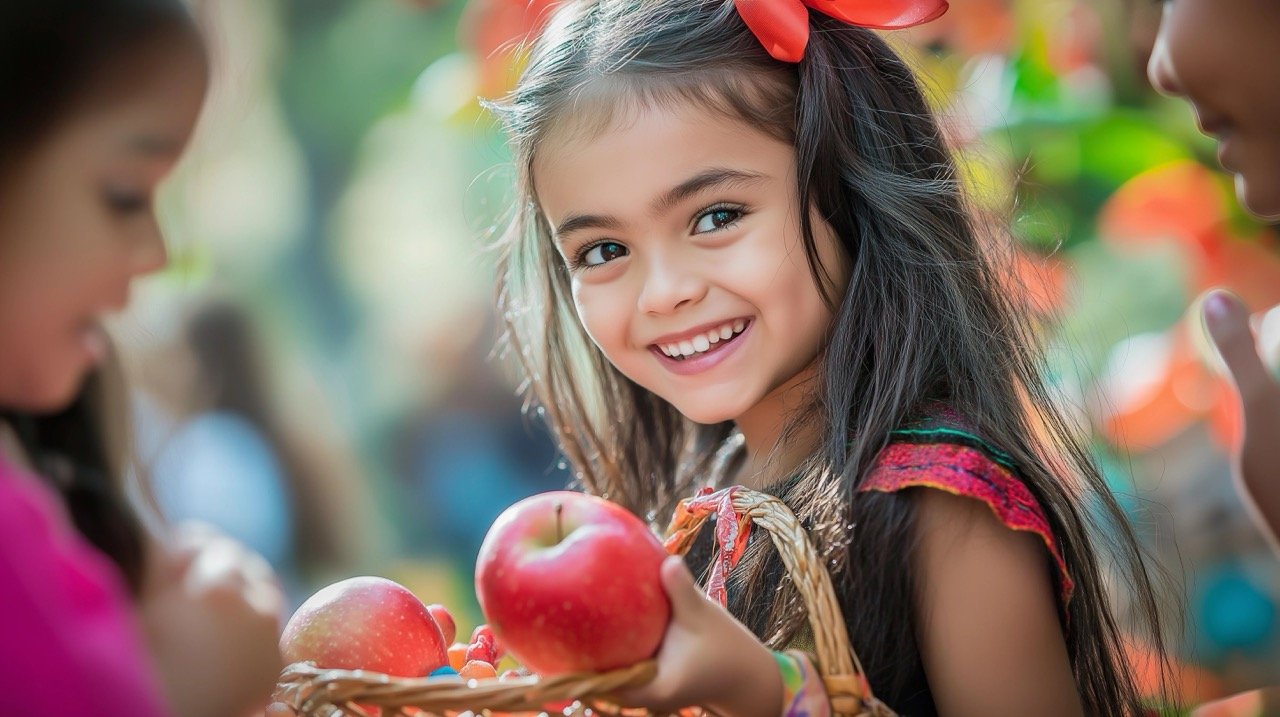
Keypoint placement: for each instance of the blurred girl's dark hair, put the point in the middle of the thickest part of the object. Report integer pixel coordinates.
(54, 55)
(82, 452)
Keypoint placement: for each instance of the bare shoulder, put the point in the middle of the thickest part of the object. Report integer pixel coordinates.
(989, 629)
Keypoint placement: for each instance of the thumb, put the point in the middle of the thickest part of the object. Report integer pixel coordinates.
(1228, 322)
(682, 591)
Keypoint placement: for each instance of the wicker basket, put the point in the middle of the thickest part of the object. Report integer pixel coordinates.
(314, 692)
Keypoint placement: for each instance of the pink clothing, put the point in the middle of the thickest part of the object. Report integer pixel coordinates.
(69, 642)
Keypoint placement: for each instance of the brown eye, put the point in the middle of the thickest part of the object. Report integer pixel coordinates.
(717, 219)
(602, 253)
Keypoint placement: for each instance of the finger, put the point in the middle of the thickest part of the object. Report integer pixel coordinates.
(218, 564)
(1228, 322)
(166, 565)
(255, 567)
(679, 584)
(192, 534)
(266, 598)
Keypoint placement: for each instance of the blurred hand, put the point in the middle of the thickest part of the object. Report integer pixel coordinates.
(708, 658)
(211, 613)
(1257, 462)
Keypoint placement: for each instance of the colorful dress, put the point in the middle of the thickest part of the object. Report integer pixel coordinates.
(941, 452)
(938, 451)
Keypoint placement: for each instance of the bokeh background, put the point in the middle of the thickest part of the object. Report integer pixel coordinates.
(315, 371)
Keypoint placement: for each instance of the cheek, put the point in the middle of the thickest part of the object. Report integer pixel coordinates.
(602, 314)
(41, 365)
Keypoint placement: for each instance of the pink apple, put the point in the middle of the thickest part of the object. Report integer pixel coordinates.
(570, 582)
(365, 623)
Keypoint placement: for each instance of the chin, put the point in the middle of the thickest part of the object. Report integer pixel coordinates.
(1261, 198)
(50, 396)
(708, 413)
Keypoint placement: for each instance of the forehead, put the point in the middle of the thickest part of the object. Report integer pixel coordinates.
(639, 151)
(158, 92)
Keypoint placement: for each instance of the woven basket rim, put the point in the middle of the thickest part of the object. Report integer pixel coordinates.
(311, 690)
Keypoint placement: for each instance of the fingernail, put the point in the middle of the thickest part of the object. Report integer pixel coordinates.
(1216, 305)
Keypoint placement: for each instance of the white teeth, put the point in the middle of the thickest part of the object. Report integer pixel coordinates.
(703, 342)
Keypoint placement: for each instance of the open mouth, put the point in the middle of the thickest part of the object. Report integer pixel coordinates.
(705, 343)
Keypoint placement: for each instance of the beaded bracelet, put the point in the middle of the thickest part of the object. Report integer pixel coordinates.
(803, 692)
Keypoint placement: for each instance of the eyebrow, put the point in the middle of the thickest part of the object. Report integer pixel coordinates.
(711, 178)
(578, 222)
(708, 179)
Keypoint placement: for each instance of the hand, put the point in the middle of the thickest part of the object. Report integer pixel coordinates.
(1257, 463)
(211, 612)
(708, 658)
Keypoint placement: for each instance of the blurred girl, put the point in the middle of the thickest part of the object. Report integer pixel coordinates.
(100, 99)
(1219, 55)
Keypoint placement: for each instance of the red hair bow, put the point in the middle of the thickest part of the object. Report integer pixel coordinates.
(783, 25)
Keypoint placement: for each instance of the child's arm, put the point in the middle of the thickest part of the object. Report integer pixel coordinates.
(211, 612)
(989, 633)
(708, 658)
(1257, 464)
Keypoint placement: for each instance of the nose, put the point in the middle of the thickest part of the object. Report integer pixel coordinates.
(149, 253)
(670, 284)
(1160, 68)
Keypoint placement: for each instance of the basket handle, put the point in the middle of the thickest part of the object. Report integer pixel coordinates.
(841, 671)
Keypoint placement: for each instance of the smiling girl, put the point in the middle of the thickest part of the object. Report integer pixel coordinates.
(1219, 55)
(743, 257)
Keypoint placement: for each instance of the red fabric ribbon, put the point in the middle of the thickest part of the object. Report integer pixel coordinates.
(783, 25)
(732, 532)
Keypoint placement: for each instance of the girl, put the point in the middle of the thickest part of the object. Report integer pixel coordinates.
(744, 257)
(102, 98)
(1218, 55)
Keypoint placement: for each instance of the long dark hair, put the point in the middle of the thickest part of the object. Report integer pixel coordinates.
(81, 451)
(53, 55)
(872, 160)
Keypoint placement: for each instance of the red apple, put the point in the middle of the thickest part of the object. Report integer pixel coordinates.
(365, 623)
(570, 583)
(445, 621)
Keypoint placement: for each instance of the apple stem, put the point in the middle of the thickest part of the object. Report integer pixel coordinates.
(559, 530)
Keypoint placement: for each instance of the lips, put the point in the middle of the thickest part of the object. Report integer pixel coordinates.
(700, 361)
(93, 340)
(702, 340)
(1212, 126)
